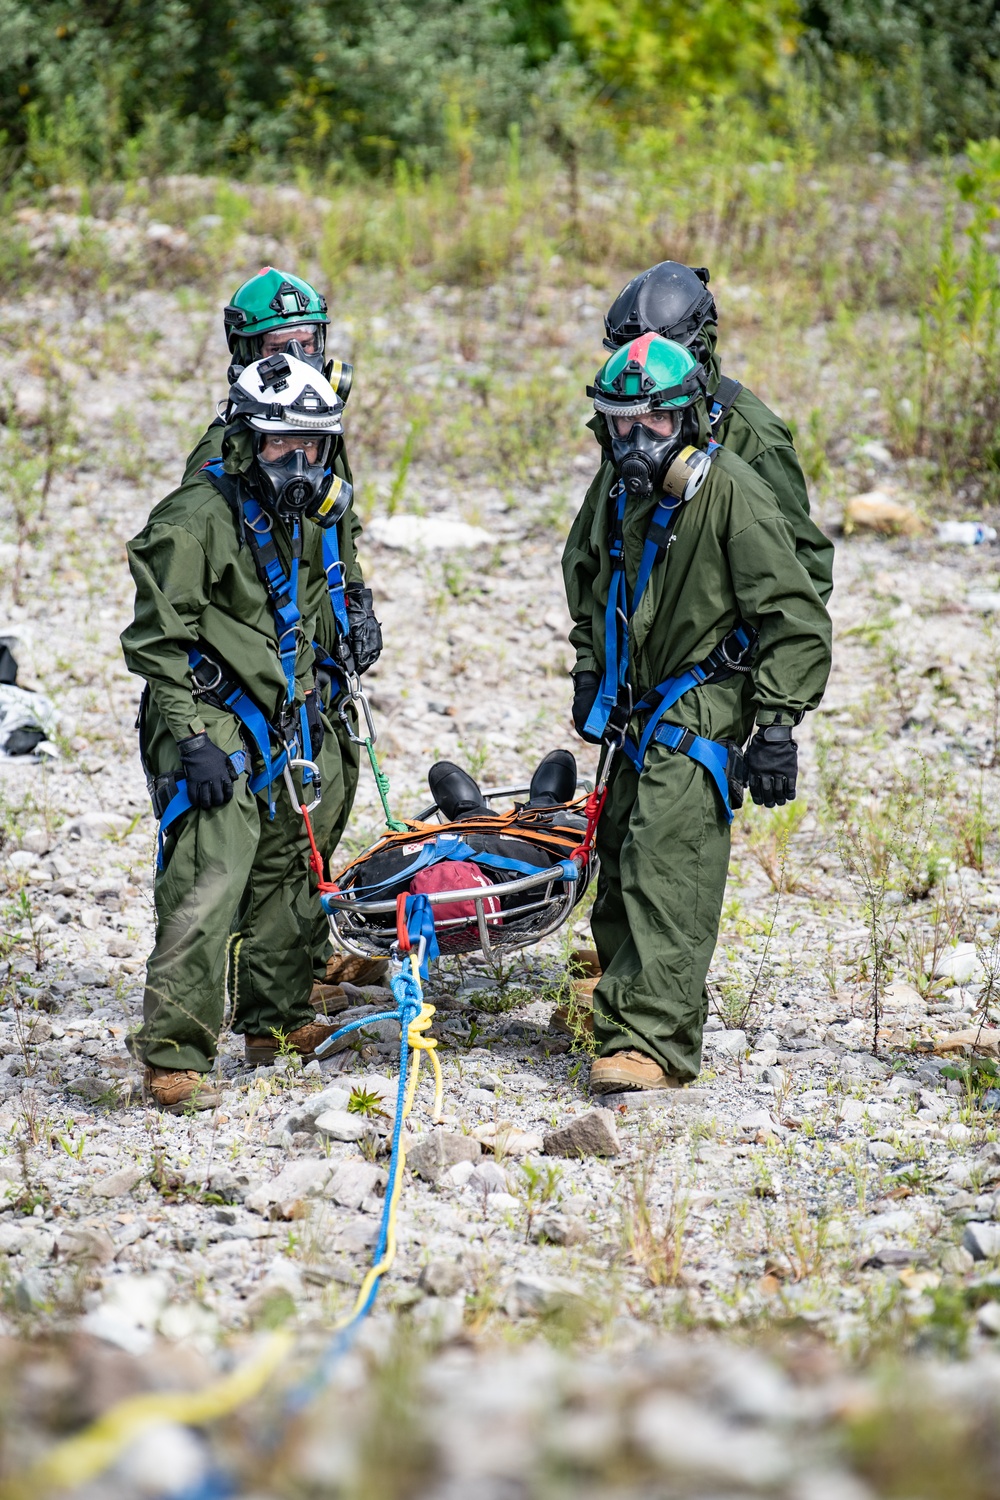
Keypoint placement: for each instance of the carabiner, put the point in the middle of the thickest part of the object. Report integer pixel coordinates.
(290, 784)
(355, 694)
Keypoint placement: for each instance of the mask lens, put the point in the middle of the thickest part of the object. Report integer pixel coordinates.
(308, 335)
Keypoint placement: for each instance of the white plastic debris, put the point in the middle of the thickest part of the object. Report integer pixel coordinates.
(964, 533)
(20, 709)
(426, 533)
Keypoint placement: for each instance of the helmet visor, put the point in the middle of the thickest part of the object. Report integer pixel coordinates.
(275, 448)
(310, 336)
(662, 422)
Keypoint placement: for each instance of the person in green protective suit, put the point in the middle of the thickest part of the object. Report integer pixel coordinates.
(673, 300)
(231, 595)
(725, 628)
(275, 312)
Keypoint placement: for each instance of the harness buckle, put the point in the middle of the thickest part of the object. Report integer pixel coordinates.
(619, 718)
(684, 744)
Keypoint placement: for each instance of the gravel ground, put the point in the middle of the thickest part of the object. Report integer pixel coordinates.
(690, 1300)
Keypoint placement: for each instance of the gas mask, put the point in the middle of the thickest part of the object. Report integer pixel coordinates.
(643, 457)
(292, 487)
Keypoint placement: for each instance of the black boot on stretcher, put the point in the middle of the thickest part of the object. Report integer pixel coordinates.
(554, 781)
(455, 792)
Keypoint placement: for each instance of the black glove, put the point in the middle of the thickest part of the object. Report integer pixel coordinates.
(586, 686)
(207, 770)
(772, 763)
(317, 729)
(365, 630)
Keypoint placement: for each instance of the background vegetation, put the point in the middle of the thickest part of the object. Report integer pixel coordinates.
(120, 87)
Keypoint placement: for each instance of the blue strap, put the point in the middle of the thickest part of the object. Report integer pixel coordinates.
(668, 691)
(615, 611)
(306, 743)
(708, 753)
(334, 570)
(283, 590)
(659, 531)
(245, 709)
(451, 846)
(180, 803)
(420, 924)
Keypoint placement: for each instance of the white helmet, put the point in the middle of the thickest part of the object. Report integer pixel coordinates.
(283, 394)
(282, 397)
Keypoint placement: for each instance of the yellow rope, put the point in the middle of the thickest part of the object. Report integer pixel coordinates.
(81, 1458)
(419, 1043)
(96, 1448)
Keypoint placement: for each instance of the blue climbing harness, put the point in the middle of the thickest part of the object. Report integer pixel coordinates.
(209, 676)
(613, 707)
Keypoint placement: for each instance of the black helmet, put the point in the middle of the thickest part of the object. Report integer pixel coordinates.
(669, 299)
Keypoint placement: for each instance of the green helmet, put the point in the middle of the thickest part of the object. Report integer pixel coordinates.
(649, 372)
(295, 315)
(651, 393)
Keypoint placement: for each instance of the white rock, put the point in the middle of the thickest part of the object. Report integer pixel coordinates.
(960, 963)
(988, 1318)
(459, 1174)
(682, 1438)
(487, 1178)
(353, 1182)
(188, 1322)
(732, 1043)
(22, 859)
(339, 1125)
(296, 1180)
(502, 1203)
(129, 1312)
(410, 533)
(119, 1183)
(165, 1459)
(982, 1240)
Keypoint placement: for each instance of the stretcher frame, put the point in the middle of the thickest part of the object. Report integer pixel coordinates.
(367, 929)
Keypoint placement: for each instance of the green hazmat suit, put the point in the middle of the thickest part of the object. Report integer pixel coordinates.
(235, 909)
(663, 838)
(328, 834)
(753, 432)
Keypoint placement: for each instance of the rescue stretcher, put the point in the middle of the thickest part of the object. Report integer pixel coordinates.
(514, 910)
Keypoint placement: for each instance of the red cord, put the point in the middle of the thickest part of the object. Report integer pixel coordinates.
(315, 858)
(402, 931)
(594, 808)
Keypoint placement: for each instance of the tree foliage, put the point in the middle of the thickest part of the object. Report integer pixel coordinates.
(231, 81)
(929, 69)
(119, 87)
(662, 52)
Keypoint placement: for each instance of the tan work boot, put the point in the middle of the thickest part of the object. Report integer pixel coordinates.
(329, 999)
(628, 1070)
(304, 1040)
(359, 971)
(586, 962)
(578, 1013)
(179, 1089)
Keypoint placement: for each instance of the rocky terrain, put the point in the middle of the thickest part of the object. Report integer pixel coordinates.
(697, 1294)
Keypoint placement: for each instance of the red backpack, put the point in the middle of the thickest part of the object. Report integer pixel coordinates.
(455, 875)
